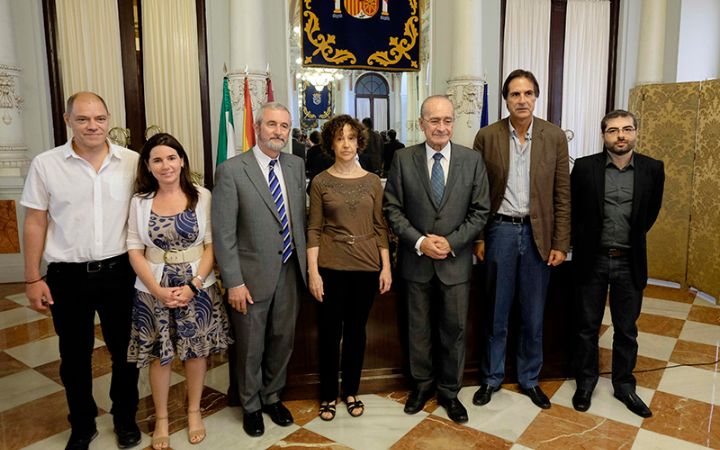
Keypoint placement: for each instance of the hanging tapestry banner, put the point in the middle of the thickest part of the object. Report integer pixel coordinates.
(317, 104)
(379, 35)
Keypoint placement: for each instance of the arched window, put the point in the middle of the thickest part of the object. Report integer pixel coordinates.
(372, 100)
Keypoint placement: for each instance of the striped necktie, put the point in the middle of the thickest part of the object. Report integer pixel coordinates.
(277, 196)
(437, 178)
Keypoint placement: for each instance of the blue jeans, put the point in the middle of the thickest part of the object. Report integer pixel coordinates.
(514, 264)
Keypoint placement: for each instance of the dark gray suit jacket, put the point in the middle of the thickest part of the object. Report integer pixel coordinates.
(246, 227)
(412, 212)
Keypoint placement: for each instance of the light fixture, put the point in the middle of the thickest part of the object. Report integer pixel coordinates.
(320, 77)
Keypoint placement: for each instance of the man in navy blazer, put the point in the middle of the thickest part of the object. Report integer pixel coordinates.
(616, 197)
(436, 201)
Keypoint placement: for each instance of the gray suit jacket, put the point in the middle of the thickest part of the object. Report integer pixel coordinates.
(412, 212)
(246, 227)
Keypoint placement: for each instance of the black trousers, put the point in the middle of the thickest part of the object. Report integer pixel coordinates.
(625, 305)
(343, 314)
(78, 291)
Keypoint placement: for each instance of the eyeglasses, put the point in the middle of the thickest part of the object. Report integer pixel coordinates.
(616, 131)
(436, 121)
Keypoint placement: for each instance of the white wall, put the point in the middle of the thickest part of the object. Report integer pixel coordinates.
(27, 17)
(217, 26)
(699, 41)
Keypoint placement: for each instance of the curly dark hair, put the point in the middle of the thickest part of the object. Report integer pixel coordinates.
(335, 125)
(146, 185)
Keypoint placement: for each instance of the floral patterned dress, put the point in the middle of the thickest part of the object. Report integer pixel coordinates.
(193, 331)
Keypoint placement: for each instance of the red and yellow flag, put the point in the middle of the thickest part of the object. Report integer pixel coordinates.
(248, 130)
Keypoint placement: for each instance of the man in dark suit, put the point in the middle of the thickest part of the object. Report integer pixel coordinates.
(436, 201)
(298, 146)
(528, 231)
(374, 148)
(258, 221)
(390, 148)
(616, 198)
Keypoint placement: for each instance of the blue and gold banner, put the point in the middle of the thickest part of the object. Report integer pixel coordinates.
(361, 34)
(317, 104)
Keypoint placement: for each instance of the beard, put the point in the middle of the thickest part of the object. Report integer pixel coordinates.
(274, 144)
(621, 151)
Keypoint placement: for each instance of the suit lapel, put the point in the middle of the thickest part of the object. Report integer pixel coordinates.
(536, 149)
(422, 169)
(453, 174)
(288, 173)
(638, 188)
(252, 169)
(504, 151)
(598, 174)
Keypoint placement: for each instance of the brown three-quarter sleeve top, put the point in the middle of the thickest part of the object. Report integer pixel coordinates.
(346, 222)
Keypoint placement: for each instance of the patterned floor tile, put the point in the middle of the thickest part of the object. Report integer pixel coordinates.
(435, 432)
(648, 440)
(26, 332)
(692, 382)
(25, 386)
(6, 304)
(35, 421)
(648, 371)
(561, 427)
(650, 345)
(686, 419)
(705, 314)
(665, 308)
(694, 353)
(668, 293)
(303, 439)
(701, 332)
(661, 325)
(507, 415)
(10, 365)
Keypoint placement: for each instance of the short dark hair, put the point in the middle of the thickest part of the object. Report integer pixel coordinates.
(315, 137)
(72, 98)
(392, 134)
(520, 73)
(296, 133)
(368, 122)
(146, 184)
(614, 115)
(335, 125)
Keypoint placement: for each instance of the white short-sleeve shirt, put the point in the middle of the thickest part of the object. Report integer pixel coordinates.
(87, 210)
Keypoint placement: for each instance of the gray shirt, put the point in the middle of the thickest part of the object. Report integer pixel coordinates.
(617, 205)
(516, 200)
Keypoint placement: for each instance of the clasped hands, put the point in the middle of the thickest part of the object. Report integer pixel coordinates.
(435, 247)
(174, 297)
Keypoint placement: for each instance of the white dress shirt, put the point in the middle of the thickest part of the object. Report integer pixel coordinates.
(87, 210)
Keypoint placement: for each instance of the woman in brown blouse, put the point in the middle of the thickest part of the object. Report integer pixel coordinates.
(348, 260)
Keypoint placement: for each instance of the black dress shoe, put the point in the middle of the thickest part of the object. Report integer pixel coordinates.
(538, 397)
(80, 441)
(581, 400)
(634, 404)
(455, 410)
(279, 414)
(253, 423)
(416, 401)
(128, 435)
(484, 394)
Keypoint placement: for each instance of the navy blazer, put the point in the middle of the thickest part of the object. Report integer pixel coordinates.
(588, 197)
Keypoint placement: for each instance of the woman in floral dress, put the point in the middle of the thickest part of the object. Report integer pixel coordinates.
(178, 310)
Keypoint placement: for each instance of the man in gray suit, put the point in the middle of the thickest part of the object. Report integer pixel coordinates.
(436, 201)
(258, 221)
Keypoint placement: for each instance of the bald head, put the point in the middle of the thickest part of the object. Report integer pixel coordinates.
(83, 96)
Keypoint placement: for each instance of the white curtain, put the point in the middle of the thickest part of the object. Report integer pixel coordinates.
(587, 35)
(527, 44)
(171, 73)
(380, 114)
(89, 52)
(362, 108)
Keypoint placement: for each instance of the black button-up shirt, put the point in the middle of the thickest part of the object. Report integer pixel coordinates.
(617, 205)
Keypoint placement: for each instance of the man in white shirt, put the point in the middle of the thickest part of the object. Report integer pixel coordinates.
(77, 198)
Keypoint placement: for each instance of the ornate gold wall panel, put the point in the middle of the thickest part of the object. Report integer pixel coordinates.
(9, 237)
(703, 260)
(667, 116)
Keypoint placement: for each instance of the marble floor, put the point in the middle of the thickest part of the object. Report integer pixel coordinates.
(677, 374)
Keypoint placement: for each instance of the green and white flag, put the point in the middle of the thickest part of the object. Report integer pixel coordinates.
(226, 136)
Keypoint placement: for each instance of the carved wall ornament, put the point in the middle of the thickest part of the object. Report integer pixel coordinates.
(9, 96)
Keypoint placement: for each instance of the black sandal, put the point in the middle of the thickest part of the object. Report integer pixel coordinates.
(352, 406)
(327, 408)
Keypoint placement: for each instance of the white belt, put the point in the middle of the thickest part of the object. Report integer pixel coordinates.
(159, 256)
